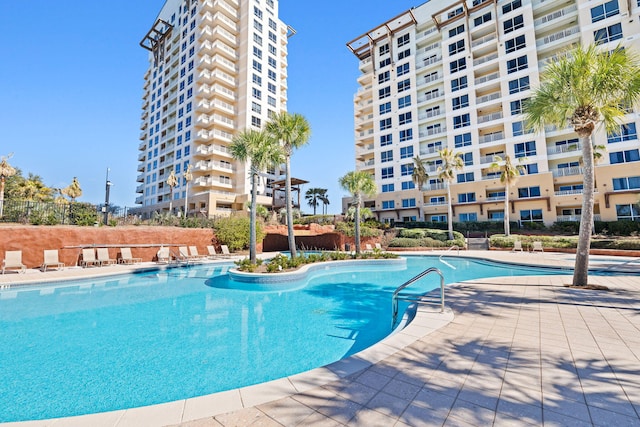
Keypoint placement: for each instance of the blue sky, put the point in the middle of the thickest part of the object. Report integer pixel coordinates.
(71, 88)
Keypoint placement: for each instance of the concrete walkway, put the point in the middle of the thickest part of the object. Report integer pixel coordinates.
(509, 351)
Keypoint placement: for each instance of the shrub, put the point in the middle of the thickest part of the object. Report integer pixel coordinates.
(412, 233)
(234, 232)
(246, 265)
(82, 214)
(348, 229)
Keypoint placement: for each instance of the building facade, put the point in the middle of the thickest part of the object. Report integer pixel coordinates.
(454, 74)
(215, 67)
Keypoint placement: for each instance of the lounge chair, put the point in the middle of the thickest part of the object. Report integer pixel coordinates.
(537, 247)
(193, 253)
(183, 254)
(163, 255)
(225, 251)
(517, 246)
(13, 261)
(212, 252)
(89, 258)
(51, 260)
(379, 247)
(103, 257)
(127, 258)
(368, 248)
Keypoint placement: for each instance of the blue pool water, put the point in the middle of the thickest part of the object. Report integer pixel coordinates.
(125, 341)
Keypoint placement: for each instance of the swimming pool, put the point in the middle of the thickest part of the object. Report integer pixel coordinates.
(126, 341)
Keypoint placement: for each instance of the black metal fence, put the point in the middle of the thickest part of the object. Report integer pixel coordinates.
(50, 213)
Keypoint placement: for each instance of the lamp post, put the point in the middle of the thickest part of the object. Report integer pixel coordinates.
(172, 181)
(105, 208)
(188, 176)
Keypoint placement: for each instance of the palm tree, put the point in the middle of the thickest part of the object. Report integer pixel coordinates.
(509, 174)
(419, 175)
(188, 176)
(324, 198)
(313, 197)
(293, 131)
(262, 151)
(451, 162)
(172, 181)
(73, 191)
(586, 88)
(33, 189)
(6, 170)
(360, 184)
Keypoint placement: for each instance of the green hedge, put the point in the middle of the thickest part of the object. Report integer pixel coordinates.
(562, 242)
(427, 238)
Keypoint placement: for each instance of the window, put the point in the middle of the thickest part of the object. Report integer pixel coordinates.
(256, 93)
(387, 172)
(272, 49)
(513, 24)
(467, 158)
(385, 108)
(604, 11)
(388, 188)
(272, 37)
(255, 107)
(384, 49)
(438, 200)
(628, 212)
(609, 34)
(458, 65)
(627, 183)
(272, 75)
(272, 62)
(455, 31)
(465, 177)
(482, 19)
(408, 203)
(511, 6)
(257, 66)
(384, 92)
(625, 132)
(404, 85)
(406, 135)
(257, 12)
(384, 77)
(272, 88)
(455, 12)
(255, 121)
(406, 152)
(517, 64)
(528, 192)
(459, 83)
(438, 218)
(257, 25)
(466, 198)
(462, 140)
(516, 106)
(388, 204)
(456, 47)
(403, 69)
(386, 156)
(406, 169)
(525, 149)
(519, 128)
(624, 156)
(530, 169)
(187, 122)
(495, 195)
(257, 79)
(385, 124)
(468, 217)
(404, 101)
(408, 185)
(403, 40)
(461, 121)
(531, 215)
(460, 102)
(404, 118)
(519, 85)
(385, 140)
(257, 52)
(404, 54)
(385, 62)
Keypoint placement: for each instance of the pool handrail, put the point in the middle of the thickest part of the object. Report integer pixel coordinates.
(417, 298)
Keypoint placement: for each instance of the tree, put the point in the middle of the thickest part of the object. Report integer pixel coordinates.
(451, 162)
(324, 198)
(6, 170)
(33, 189)
(419, 176)
(172, 181)
(73, 190)
(262, 151)
(586, 88)
(359, 184)
(293, 131)
(314, 197)
(188, 176)
(509, 174)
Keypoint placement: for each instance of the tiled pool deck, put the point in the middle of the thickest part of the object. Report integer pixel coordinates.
(509, 351)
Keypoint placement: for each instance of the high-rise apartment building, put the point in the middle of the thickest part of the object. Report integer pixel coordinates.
(215, 67)
(454, 74)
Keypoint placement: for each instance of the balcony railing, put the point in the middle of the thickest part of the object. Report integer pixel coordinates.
(564, 148)
(490, 117)
(488, 97)
(483, 40)
(496, 136)
(565, 218)
(567, 171)
(486, 78)
(484, 59)
(557, 36)
(555, 15)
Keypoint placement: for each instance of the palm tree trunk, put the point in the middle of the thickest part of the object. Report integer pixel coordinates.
(507, 226)
(581, 269)
(357, 231)
(287, 199)
(449, 211)
(1, 195)
(252, 221)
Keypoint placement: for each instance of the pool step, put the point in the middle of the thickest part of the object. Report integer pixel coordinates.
(478, 243)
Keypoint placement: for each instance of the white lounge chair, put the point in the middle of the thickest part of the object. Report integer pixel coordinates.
(103, 257)
(127, 258)
(225, 250)
(517, 246)
(212, 252)
(89, 258)
(163, 255)
(537, 247)
(379, 246)
(51, 260)
(193, 253)
(183, 254)
(368, 248)
(13, 261)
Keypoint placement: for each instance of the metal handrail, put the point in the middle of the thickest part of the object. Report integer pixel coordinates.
(394, 300)
(445, 262)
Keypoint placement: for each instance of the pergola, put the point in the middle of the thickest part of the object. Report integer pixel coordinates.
(279, 187)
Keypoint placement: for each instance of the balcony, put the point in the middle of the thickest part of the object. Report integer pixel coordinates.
(140, 188)
(139, 200)
(564, 148)
(427, 62)
(488, 97)
(491, 158)
(560, 35)
(490, 176)
(555, 16)
(486, 78)
(491, 137)
(435, 187)
(364, 150)
(490, 117)
(565, 218)
(430, 96)
(484, 59)
(566, 171)
(483, 40)
(433, 131)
